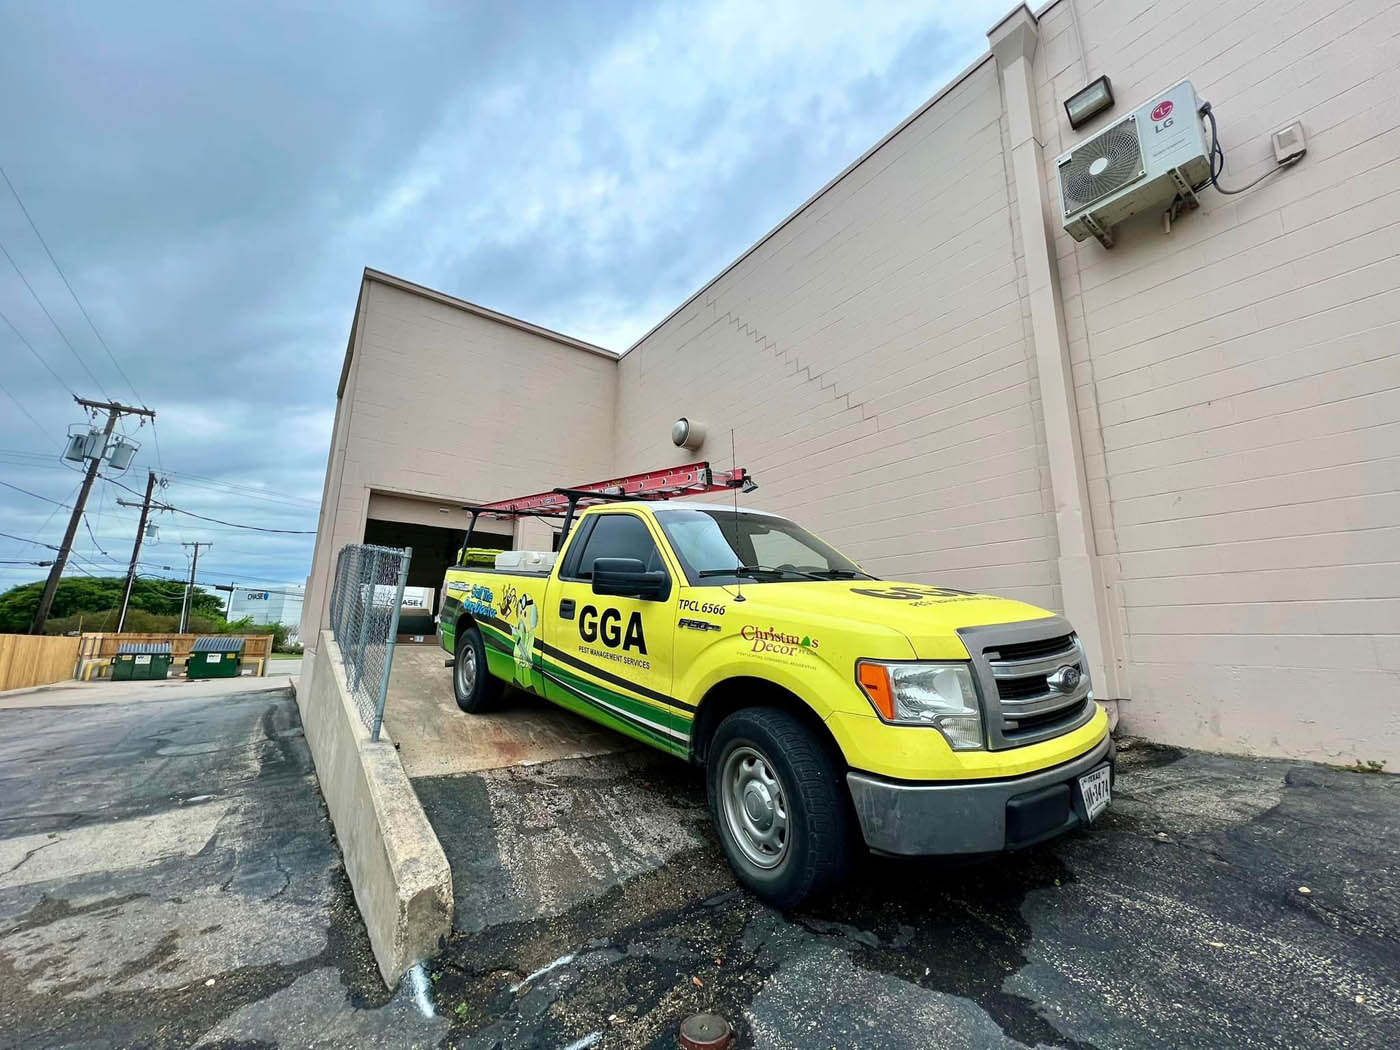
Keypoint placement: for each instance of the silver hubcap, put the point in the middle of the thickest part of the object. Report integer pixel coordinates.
(755, 807)
(466, 671)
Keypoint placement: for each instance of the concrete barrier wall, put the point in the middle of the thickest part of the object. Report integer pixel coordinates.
(399, 873)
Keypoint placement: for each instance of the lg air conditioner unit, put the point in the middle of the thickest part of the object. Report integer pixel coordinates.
(1149, 158)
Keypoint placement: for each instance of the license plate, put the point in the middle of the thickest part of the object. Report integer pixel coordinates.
(1095, 789)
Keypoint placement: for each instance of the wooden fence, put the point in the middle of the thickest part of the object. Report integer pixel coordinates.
(96, 651)
(35, 659)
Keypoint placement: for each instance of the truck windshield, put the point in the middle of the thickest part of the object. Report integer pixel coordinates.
(715, 545)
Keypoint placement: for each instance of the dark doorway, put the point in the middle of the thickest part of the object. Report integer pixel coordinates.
(434, 549)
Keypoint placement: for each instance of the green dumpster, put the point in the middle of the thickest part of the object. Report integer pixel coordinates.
(218, 656)
(141, 661)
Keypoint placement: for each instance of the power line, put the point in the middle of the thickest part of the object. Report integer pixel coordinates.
(12, 536)
(236, 525)
(278, 499)
(35, 495)
(217, 521)
(93, 537)
(28, 415)
(57, 329)
(195, 480)
(37, 356)
(64, 278)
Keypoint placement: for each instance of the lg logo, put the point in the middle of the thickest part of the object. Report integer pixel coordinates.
(1162, 116)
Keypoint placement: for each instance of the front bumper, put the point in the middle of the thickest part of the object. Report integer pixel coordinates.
(979, 816)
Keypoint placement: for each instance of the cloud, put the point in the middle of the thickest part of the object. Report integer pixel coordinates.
(214, 179)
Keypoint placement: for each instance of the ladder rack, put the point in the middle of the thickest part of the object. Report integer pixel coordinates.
(690, 479)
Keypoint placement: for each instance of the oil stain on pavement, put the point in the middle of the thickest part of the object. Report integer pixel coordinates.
(1221, 902)
(169, 878)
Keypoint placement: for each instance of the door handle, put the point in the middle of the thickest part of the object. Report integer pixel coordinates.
(566, 609)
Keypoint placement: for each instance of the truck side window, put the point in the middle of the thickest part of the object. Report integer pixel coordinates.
(618, 536)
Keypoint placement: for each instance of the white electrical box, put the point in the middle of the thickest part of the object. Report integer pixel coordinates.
(1289, 143)
(1149, 158)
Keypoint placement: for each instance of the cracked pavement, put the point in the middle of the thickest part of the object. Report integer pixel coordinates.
(1220, 902)
(169, 878)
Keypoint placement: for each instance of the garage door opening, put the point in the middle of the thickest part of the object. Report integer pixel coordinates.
(434, 549)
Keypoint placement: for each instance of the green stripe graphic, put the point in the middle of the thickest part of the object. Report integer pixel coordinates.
(617, 710)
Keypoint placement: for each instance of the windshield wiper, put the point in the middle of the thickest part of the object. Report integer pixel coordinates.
(845, 574)
(754, 570)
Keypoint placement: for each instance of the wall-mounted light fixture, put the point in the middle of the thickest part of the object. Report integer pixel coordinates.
(688, 433)
(1088, 102)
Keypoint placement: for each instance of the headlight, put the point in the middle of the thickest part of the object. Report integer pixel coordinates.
(926, 694)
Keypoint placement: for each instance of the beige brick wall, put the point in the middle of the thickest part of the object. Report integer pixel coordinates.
(872, 358)
(1238, 378)
(445, 404)
(1237, 381)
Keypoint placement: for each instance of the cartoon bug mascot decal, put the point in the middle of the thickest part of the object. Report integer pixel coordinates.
(527, 618)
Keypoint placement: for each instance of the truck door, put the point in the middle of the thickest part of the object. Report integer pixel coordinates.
(609, 657)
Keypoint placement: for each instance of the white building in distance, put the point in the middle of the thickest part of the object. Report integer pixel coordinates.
(265, 605)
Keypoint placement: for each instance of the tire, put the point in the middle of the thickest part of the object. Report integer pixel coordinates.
(473, 686)
(764, 761)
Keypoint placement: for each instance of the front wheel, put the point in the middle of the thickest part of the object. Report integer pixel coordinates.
(777, 801)
(472, 685)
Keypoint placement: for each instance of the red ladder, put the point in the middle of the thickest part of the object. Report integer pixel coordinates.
(691, 479)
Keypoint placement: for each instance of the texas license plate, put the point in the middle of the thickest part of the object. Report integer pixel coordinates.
(1094, 787)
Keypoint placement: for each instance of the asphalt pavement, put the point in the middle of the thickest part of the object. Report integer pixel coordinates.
(169, 878)
(1220, 902)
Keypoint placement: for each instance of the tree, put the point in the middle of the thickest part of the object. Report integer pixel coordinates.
(91, 596)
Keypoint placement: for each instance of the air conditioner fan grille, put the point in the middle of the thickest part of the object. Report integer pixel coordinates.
(1100, 166)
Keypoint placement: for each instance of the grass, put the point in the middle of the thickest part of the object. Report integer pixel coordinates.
(286, 656)
(1369, 765)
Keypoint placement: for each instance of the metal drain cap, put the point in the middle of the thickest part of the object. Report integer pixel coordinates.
(705, 1032)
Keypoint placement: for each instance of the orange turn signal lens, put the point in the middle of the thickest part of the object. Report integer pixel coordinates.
(874, 681)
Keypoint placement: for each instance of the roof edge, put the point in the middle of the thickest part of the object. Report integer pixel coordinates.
(433, 295)
(937, 97)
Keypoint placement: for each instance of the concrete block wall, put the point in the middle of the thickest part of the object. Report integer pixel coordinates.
(444, 403)
(1236, 382)
(873, 360)
(1239, 379)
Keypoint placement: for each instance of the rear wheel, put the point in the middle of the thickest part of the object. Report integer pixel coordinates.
(472, 685)
(778, 804)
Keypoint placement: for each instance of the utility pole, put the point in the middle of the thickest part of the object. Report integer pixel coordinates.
(188, 605)
(115, 411)
(135, 547)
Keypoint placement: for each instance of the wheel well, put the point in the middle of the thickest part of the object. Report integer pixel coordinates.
(464, 619)
(724, 698)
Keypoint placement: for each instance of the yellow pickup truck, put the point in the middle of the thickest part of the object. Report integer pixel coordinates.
(824, 703)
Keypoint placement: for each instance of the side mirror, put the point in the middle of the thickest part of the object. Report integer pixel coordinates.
(628, 578)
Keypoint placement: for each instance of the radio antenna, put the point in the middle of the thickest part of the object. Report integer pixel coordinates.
(738, 561)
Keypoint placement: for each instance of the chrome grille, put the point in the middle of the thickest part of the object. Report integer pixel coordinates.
(1033, 679)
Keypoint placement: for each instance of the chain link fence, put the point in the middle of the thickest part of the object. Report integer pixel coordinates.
(366, 596)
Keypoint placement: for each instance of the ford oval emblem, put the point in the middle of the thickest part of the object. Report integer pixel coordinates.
(1064, 679)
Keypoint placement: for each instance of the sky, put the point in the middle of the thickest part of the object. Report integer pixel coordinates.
(211, 179)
